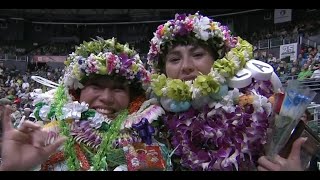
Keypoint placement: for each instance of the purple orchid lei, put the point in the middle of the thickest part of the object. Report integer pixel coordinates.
(215, 140)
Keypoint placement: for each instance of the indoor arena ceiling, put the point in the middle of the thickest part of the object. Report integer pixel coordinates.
(95, 15)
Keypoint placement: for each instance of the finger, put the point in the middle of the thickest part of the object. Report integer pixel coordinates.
(48, 150)
(26, 126)
(18, 136)
(6, 120)
(280, 160)
(39, 138)
(260, 168)
(296, 148)
(263, 161)
(51, 136)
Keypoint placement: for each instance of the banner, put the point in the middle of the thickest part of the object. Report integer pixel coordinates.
(282, 15)
(289, 50)
(44, 59)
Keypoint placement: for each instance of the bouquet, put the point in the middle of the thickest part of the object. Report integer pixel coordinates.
(295, 102)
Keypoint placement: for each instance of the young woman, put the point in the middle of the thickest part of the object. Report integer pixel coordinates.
(215, 96)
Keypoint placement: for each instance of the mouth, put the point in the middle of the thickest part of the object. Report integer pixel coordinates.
(189, 78)
(111, 114)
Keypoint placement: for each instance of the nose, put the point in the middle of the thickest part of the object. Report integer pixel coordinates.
(106, 96)
(187, 66)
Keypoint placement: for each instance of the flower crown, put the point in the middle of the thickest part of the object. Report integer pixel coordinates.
(104, 57)
(197, 27)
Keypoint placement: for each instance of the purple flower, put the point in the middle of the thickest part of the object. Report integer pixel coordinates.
(123, 57)
(212, 140)
(180, 17)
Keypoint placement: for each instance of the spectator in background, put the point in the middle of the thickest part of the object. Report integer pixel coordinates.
(282, 71)
(305, 72)
(271, 58)
(316, 73)
(25, 85)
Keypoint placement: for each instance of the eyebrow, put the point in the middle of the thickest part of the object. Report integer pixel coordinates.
(192, 49)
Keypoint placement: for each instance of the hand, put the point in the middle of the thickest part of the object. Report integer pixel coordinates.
(292, 163)
(24, 148)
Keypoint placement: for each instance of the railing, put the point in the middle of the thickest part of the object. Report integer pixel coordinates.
(277, 42)
(308, 42)
(314, 110)
(10, 57)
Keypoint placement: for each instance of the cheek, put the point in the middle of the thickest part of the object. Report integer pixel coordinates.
(122, 100)
(205, 65)
(171, 70)
(87, 96)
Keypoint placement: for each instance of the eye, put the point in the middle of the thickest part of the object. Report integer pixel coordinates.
(119, 88)
(174, 60)
(198, 54)
(94, 87)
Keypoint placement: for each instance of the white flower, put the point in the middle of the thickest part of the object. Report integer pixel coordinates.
(97, 120)
(73, 83)
(73, 110)
(261, 103)
(234, 58)
(217, 76)
(43, 112)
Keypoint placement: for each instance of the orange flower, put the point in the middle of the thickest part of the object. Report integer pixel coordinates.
(136, 104)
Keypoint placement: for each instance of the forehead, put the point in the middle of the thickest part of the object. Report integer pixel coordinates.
(180, 47)
(106, 81)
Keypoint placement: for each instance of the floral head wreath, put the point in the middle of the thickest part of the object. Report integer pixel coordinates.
(214, 35)
(104, 57)
(196, 27)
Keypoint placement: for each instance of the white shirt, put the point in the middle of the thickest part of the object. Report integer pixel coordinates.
(316, 74)
(25, 85)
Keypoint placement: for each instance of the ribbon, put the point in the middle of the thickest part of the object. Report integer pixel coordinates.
(296, 99)
(145, 130)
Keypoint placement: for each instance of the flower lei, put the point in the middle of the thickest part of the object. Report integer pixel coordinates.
(218, 138)
(92, 130)
(104, 57)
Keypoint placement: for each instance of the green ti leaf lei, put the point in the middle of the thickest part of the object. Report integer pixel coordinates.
(106, 153)
(60, 99)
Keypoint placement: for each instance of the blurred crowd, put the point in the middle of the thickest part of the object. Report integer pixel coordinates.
(17, 89)
(307, 65)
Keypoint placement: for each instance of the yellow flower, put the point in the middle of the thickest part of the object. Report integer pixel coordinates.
(212, 26)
